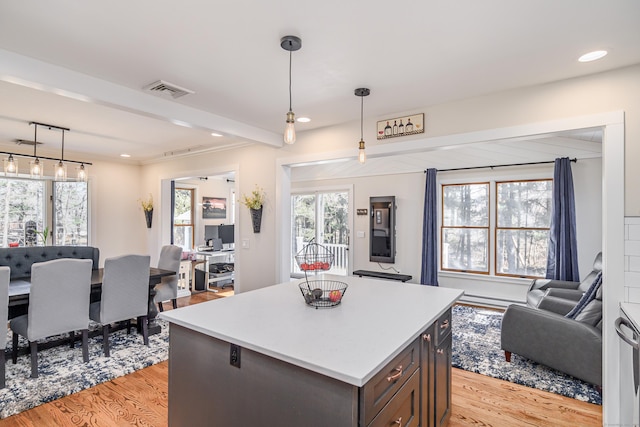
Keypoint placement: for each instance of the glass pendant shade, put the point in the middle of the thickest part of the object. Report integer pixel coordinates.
(10, 166)
(290, 130)
(82, 174)
(36, 168)
(61, 171)
(362, 157)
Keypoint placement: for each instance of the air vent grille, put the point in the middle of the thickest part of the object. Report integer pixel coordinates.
(167, 89)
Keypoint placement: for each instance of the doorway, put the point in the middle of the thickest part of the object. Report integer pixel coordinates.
(321, 217)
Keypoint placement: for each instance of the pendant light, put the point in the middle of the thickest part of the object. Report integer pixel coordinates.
(11, 166)
(36, 167)
(82, 173)
(362, 92)
(290, 44)
(61, 168)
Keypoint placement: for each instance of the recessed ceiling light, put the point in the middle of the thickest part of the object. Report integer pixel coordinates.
(303, 119)
(215, 134)
(125, 155)
(592, 56)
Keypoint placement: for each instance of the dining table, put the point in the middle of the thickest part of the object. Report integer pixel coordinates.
(19, 294)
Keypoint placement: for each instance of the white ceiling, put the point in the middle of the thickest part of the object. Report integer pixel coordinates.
(82, 65)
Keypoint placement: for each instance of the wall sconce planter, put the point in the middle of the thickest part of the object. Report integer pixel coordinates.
(148, 215)
(256, 219)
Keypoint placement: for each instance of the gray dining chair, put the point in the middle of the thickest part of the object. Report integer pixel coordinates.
(4, 312)
(125, 295)
(58, 303)
(167, 289)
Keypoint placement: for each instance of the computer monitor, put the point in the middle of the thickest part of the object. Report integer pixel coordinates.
(210, 232)
(225, 232)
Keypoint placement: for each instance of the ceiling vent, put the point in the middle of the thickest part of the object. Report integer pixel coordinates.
(167, 89)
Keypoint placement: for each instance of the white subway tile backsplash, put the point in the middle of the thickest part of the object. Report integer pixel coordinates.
(634, 232)
(632, 220)
(632, 247)
(633, 295)
(632, 279)
(634, 263)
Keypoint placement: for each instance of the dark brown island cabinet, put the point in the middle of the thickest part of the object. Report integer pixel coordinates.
(226, 376)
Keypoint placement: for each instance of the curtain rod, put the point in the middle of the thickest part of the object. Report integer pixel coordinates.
(574, 160)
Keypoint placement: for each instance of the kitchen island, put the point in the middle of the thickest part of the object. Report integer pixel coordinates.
(265, 358)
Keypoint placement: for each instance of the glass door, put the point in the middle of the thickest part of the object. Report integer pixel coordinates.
(321, 217)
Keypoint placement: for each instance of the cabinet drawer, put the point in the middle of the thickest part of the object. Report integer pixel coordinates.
(443, 327)
(403, 409)
(380, 389)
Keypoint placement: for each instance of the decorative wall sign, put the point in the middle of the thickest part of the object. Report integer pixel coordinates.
(361, 211)
(214, 207)
(401, 126)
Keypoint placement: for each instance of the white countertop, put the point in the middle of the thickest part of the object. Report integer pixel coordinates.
(350, 342)
(632, 311)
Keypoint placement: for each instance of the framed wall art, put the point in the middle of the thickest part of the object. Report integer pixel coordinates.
(400, 126)
(214, 208)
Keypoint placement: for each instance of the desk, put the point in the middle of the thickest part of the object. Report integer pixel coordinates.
(19, 294)
(225, 255)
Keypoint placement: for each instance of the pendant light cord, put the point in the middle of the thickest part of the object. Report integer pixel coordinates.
(62, 153)
(361, 117)
(35, 139)
(290, 79)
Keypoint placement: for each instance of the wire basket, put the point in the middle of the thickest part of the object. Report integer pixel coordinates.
(322, 293)
(315, 258)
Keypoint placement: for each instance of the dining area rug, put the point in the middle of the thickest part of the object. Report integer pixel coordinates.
(61, 370)
(476, 348)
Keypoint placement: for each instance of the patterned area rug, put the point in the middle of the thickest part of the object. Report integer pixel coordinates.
(476, 348)
(62, 372)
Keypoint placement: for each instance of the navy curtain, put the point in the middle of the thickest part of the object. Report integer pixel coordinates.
(562, 262)
(429, 274)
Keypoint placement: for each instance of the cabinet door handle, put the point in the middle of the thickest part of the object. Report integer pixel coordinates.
(445, 324)
(440, 351)
(426, 337)
(396, 375)
(397, 422)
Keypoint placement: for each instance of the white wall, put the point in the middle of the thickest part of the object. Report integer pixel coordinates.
(117, 221)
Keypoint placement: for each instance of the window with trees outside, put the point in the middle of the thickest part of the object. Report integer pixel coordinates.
(465, 227)
(183, 217)
(25, 220)
(520, 228)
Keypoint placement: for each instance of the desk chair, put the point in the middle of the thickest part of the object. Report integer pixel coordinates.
(125, 295)
(4, 312)
(58, 303)
(167, 289)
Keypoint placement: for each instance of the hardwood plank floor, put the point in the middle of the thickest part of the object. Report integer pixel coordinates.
(140, 399)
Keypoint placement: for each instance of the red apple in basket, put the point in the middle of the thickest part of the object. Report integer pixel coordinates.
(334, 296)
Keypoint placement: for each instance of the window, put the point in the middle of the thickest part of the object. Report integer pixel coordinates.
(21, 205)
(70, 214)
(523, 212)
(183, 210)
(24, 215)
(465, 228)
(518, 235)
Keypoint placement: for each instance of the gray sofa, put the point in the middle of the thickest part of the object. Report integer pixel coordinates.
(541, 331)
(20, 259)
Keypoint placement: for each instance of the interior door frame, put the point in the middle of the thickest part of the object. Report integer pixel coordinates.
(613, 162)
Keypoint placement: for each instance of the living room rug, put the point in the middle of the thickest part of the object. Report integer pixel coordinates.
(476, 348)
(62, 372)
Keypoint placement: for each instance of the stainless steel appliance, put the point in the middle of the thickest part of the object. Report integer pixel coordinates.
(632, 337)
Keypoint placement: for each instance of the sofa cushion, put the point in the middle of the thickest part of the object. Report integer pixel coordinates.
(591, 314)
(20, 259)
(589, 296)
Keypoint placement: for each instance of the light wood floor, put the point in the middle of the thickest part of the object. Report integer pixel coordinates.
(140, 399)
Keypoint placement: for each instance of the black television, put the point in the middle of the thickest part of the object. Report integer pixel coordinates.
(225, 232)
